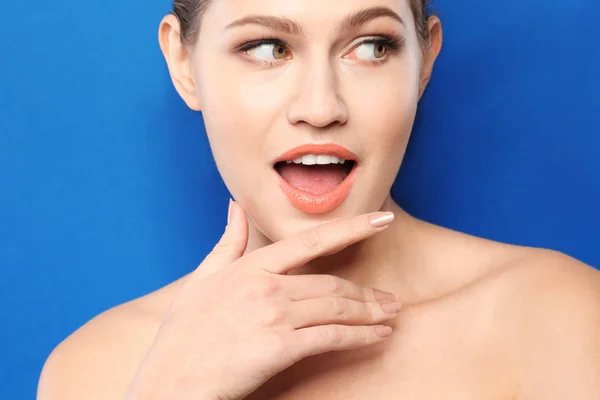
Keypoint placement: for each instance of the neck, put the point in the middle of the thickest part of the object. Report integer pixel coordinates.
(374, 262)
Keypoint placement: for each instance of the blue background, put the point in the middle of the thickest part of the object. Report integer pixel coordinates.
(109, 191)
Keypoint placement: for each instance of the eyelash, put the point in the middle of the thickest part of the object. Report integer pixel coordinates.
(392, 42)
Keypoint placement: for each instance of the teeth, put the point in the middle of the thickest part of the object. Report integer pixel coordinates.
(309, 159)
(321, 159)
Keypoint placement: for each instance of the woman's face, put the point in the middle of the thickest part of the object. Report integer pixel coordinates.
(345, 72)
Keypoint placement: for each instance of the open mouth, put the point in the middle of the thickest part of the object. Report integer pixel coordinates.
(318, 178)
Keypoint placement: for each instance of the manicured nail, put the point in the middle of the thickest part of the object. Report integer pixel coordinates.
(229, 211)
(391, 308)
(383, 330)
(384, 296)
(382, 219)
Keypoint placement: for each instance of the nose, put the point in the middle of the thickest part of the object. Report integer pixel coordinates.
(318, 101)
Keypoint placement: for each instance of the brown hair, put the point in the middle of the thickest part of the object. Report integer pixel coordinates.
(189, 13)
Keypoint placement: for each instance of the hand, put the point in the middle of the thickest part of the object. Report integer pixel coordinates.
(239, 319)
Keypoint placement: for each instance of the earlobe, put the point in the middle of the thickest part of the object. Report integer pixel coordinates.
(178, 60)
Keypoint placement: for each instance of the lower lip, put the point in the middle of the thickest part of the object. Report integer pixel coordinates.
(318, 203)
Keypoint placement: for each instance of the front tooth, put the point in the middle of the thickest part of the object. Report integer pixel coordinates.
(334, 160)
(298, 160)
(342, 161)
(309, 159)
(323, 159)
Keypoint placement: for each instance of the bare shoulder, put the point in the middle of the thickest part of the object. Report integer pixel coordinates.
(549, 304)
(550, 279)
(99, 360)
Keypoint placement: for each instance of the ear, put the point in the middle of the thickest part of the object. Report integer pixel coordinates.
(178, 60)
(431, 52)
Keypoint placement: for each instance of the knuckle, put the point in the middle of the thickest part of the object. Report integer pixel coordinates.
(262, 288)
(269, 288)
(362, 335)
(335, 335)
(373, 312)
(272, 315)
(337, 306)
(333, 284)
(311, 241)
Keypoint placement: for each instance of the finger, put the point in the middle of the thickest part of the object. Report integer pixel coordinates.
(338, 310)
(286, 254)
(232, 244)
(315, 340)
(303, 287)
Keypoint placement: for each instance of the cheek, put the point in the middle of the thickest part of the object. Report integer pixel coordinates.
(240, 106)
(239, 111)
(386, 110)
(244, 91)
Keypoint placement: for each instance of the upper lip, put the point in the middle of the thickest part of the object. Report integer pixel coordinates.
(318, 149)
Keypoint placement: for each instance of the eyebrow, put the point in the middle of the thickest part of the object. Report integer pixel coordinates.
(287, 25)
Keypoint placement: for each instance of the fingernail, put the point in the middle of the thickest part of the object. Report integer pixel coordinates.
(229, 211)
(391, 308)
(384, 296)
(383, 330)
(381, 219)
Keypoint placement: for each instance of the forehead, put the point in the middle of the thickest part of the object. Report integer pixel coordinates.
(307, 12)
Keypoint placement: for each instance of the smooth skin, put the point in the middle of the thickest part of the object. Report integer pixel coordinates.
(479, 319)
(267, 323)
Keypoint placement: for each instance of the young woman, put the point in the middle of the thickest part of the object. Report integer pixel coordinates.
(322, 287)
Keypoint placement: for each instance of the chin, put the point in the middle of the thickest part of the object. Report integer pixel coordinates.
(280, 219)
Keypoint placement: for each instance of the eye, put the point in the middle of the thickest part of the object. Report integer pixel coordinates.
(268, 51)
(376, 50)
(371, 50)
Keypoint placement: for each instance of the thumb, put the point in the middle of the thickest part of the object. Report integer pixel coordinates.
(233, 242)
